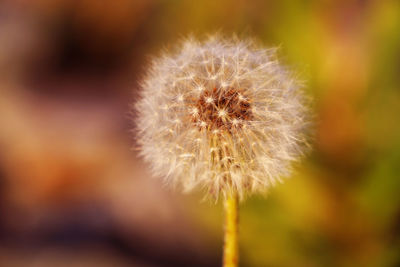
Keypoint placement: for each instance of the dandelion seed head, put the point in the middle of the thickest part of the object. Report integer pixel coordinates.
(230, 118)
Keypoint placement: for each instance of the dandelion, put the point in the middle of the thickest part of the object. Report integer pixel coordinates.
(241, 121)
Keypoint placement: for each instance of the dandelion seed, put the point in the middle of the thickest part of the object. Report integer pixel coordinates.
(221, 113)
(235, 122)
(180, 98)
(202, 125)
(200, 88)
(209, 100)
(194, 111)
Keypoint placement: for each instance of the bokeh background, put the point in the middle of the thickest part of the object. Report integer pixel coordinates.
(74, 193)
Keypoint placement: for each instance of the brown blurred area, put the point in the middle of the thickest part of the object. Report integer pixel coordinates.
(73, 191)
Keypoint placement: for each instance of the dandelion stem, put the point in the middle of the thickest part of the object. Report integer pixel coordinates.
(231, 255)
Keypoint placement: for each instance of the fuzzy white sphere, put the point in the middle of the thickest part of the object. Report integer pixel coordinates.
(222, 115)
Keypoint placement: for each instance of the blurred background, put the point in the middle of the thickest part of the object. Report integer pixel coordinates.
(74, 193)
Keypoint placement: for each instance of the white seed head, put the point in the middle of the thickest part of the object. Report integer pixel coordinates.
(235, 120)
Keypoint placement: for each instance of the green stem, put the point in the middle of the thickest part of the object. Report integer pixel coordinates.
(231, 255)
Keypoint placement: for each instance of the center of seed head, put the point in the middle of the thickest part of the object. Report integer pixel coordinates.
(221, 109)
